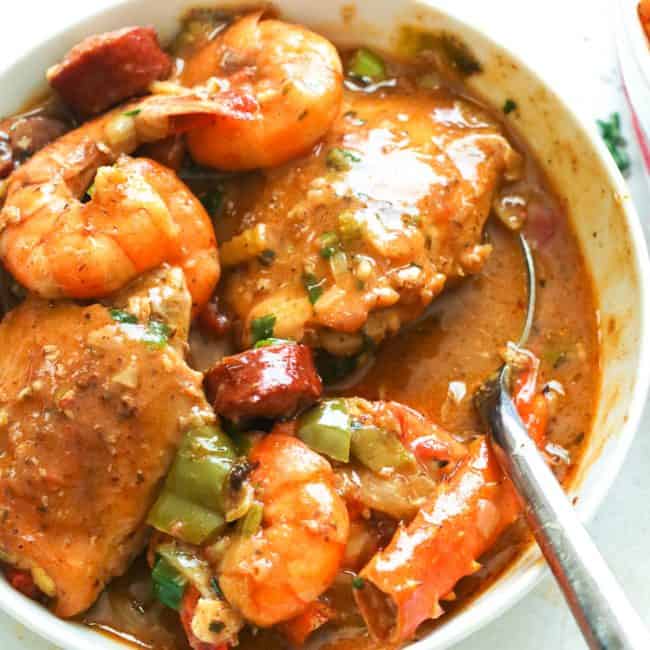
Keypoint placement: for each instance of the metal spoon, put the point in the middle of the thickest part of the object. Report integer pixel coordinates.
(599, 605)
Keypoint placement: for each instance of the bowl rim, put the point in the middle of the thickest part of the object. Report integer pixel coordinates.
(501, 599)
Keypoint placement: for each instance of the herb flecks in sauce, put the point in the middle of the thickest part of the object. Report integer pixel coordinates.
(610, 130)
(262, 327)
(509, 106)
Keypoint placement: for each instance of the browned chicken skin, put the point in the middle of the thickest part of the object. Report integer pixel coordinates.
(90, 417)
(369, 228)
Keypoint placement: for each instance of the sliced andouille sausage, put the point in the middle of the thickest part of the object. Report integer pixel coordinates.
(273, 381)
(22, 136)
(106, 69)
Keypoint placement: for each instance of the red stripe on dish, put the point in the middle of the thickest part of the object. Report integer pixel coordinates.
(638, 131)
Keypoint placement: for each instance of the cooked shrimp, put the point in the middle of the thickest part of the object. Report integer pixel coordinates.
(273, 575)
(296, 77)
(463, 518)
(139, 216)
(423, 562)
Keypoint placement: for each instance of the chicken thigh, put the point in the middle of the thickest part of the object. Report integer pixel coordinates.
(93, 402)
(359, 237)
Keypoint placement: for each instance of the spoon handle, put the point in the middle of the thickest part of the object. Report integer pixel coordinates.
(599, 605)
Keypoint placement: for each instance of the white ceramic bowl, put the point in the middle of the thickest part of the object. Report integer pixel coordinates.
(577, 164)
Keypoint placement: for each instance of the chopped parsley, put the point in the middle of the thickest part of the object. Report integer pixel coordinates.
(266, 257)
(156, 335)
(610, 130)
(122, 316)
(212, 201)
(509, 105)
(262, 327)
(358, 583)
(132, 113)
(313, 285)
(341, 159)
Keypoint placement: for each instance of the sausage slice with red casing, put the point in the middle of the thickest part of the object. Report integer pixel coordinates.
(106, 69)
(273, 381)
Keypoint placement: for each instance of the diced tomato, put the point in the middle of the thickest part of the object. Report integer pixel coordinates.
(188, 607)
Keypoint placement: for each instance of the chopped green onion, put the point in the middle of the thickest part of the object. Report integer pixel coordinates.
(250, 523)
(264, 343)
(168, 584)
(313, 285)
(262, 327)
(327, 429)
(509, 105)
(350, 227)
(329, 244)
(341, 159)
(611, 134)
(156, 335)
(366, 65)
(122, 316)
(376, 449)
(212, 201)
(90, 192)
(358, 582)
(132, 113)
(188, 562)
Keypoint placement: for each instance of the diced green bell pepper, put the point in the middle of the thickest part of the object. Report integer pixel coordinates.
(190, 506)
(377, 449)
(327, 429)
(250, 523)
(183, 519)
(201, 466)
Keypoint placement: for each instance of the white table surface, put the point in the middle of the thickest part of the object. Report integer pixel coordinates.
(570, 43)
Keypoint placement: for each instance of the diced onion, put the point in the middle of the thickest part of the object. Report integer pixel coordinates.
(121, 132)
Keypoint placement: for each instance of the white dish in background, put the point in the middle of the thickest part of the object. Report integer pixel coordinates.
(581, 171)
(634, 60)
